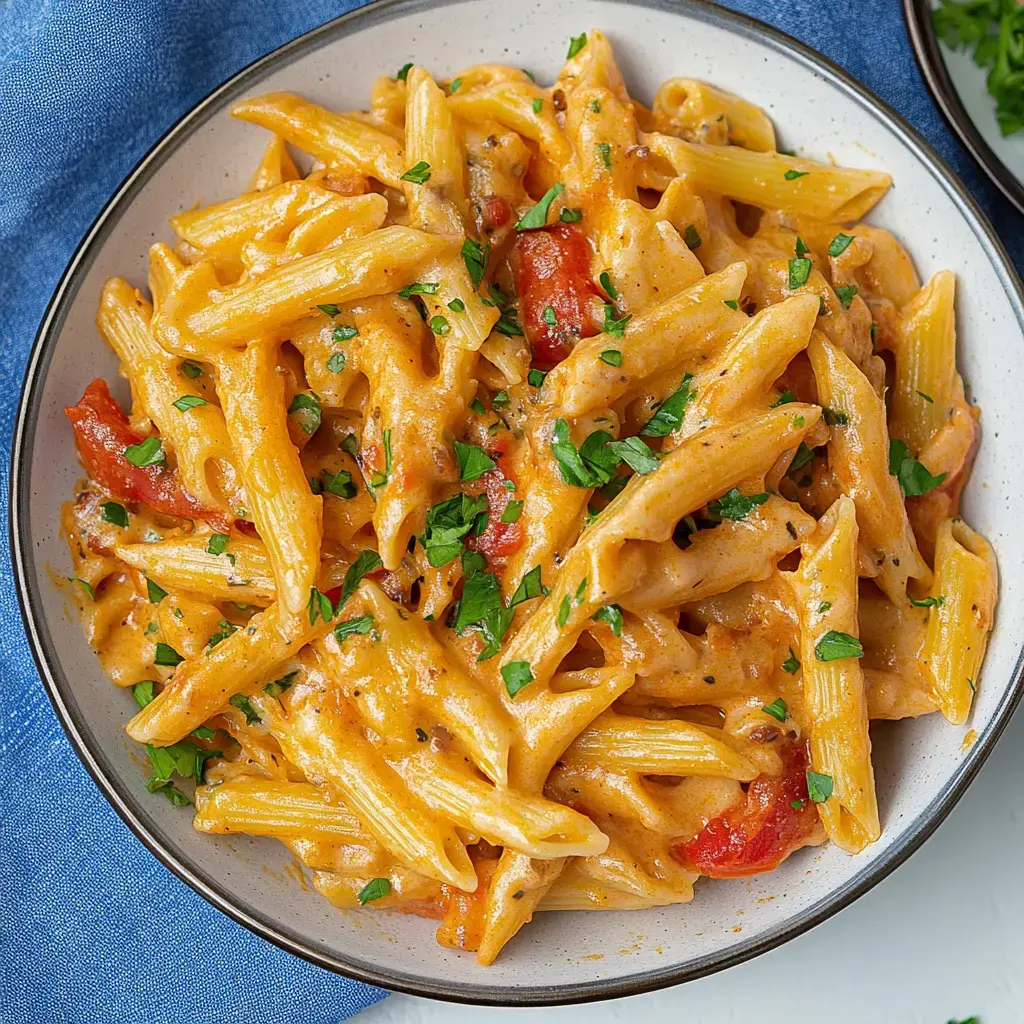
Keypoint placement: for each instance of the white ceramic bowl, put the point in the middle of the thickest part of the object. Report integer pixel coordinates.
(922, 766)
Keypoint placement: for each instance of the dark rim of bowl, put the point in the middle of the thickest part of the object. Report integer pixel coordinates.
(925, 44)
(131, 810)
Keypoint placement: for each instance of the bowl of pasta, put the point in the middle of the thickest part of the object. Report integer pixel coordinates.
(527, 482)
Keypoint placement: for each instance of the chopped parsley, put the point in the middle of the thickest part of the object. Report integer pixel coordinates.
(336, 363)
(538, 104)
(791, 664)
(784, 399)
(473, 461)
(530, 586)
(85, 587)
(537, 216)
(240, 701)
(154, 591)
(819, 787)
(143, 692)
(834, 418)
(114, 513)
(217, 544)
(612, 614)
(564, 611)
(535, 378)
(166, 655)
(375, 889)
(606, 283)
(307, 409)
(845, 294)
(731, 303)
(604, 151)
(636, 454)
(801, 247)
(508, 325)
(668, 416)
(792, 175)
(187, 402)
(478, 407)
(611, 356)
(454, 86)
(834, 646)
(799, 271)
(418, 173)
(191, 369)
(613, 326)
(777, 709)
(328, 309)
(576, 43)
(476, 258)
(359, 626)
(344, 333)
(367, 562)
(319, 605)
(549, 317)
(419, 288)
(516, 675)
(570, 215)
(735, 506)
(691, 236)
(457, 306)
(839, 244)
(513, 510)
(590, 465)
(440, 326)
(929, 602)
(339, 484)
(448, 522)
(927, 398)
(914, 478)
(146, 453)
(403, 72)
(278, 686)
(379, 479)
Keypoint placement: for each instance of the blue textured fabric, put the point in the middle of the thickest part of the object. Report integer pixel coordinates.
(92, 928)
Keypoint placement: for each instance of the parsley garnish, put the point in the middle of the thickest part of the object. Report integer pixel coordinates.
(328, 309)
(635, 453)
(735, 506)
(308, 410)
(845, 294)
(146, 453)
(418, 173)
(344, 333)
(537, 216)
(792, 175)
(731, 303)
(834, 646)
(611, 356)
(191, 369)
(612, 614)
(367, 562)
(914, 478)
(455, 83)
(85, 587)
(439, 325)
(187, 402)
(691, 236)
(154, 591)
(791, 664)
(929, 602)
(777, 709)
(379, 479)
(278, 686)
(217, 544)
(834, 418)
(457, 306)
(336, 363)
(319, 604)
(516, 674)
(535, 378)
(530, 586)
(819, 787)
(538, 104)
(668, 415)
(839, 244)
(353, 627)
(570, 215)
(612, 326)
(339, 484)
(447, 523)
(606, 284)
(513, 510)
(576, 43)
(143, 692)
(114, 513)
(476, 258)
(591, 465)
(473, 461)
(799, 271)
(549, 317)
(167, 655)
(784, 399)
(801, 248)
(604, 151)
(375, 889)
(419, 288)
(240, 701)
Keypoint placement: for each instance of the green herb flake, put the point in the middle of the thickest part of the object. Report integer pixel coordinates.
(784, 399)
(419, 288)
(845, 294)
(799, 271)
(731, 303)
(791, 664)
(549, 317)
(359, 626)
(801, 248)
(824, 607)
(606, 283)
(329, 309)
(792, 175)
(928, 602)
(611, 356)
(187, 402)
(538, 105)
(166, 655)
(839, 244)
(604, 151)
(914, 478)
(513, 510)
(457, 306)
(668, 415)
(191, 369)
(418, 174)
(537, 216)
(440, 326)
(636, 454)
(535, 378)
(691, 236)
(615, 327)
(367, 562)
(570, 215)
(473, 461)
(564, 611)
(143, 692)
(777, 709)
(927, 398)
(146, 453)
(454, 86)
(403, 72)
(476, 258)
(834, 646)
(375, 889)
(336, 363)
(819, 787)
(735, 506)
(307, 408)
(516, 674)
(240, 701)
(154, 591)
(343, 332)
(611, 614)
(339, 484)
(217, 544)
(576, 43)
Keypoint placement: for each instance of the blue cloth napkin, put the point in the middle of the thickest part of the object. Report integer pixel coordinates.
(92, 928)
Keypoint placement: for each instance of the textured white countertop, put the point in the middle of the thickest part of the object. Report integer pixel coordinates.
(940, 939)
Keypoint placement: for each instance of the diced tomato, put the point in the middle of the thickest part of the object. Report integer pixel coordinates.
(552, 268)
(500, 539)
(495, 214)
(758, 835)
(102, 433)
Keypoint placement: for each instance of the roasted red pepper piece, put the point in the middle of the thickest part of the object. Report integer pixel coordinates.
(758, 835)
(102, 433)
(552, 269)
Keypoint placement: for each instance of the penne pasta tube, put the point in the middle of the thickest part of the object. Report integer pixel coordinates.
(964, 590)
(825, 593)
(701, 112)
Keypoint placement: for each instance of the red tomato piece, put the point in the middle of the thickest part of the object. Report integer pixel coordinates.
(500, 539)
(552, 269)
(758, 835)
(495, 214)
(102, 433)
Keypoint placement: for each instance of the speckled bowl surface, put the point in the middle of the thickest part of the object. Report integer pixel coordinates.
(922, 766)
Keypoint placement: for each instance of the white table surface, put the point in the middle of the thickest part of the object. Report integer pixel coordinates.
(942, 938)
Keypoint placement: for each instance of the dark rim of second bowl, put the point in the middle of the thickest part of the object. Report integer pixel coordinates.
(925, 45)
(131, 810)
